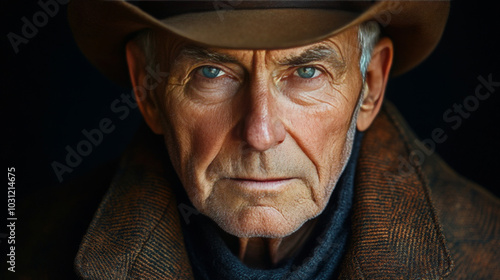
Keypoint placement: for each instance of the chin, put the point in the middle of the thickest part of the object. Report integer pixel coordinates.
(259, 221)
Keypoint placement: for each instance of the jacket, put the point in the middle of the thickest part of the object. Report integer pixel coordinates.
(413, 217)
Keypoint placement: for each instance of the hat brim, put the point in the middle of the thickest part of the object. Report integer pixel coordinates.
(102, 28)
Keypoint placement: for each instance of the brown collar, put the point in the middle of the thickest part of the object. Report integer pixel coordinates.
(395, 230)
(136, 231)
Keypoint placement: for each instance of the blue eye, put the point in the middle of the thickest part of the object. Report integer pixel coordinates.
(211, 72)
(307, 72)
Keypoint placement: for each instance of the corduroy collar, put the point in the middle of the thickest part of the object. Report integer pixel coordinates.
(136, 231)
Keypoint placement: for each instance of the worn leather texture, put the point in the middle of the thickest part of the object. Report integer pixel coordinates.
(413, 218)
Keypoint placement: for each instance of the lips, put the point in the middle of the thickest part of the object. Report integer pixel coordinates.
(266, 184)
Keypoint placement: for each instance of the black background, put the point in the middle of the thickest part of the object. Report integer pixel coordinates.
(50, 93)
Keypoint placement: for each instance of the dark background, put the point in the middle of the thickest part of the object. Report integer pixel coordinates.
(50, 93)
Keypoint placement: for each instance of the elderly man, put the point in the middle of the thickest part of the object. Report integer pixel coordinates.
(272, 155)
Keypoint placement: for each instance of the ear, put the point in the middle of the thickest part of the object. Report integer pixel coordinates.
(139, 78)
(377, 75)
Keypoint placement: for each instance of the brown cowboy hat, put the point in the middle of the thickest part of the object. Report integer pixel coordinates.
(101, 28)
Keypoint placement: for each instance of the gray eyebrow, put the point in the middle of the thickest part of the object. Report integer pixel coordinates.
(317, 53)
(201, 54)
(313, 54)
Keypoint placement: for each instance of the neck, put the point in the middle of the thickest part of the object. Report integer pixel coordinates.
(263, 253)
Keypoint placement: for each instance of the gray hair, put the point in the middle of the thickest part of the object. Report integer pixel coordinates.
(368, 36)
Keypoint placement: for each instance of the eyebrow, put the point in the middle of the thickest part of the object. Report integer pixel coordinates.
(200, 54)
(313, 54)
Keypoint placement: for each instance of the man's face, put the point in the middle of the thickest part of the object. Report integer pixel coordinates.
(259, 138)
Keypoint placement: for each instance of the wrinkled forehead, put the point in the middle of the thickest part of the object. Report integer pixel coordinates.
(342, 49)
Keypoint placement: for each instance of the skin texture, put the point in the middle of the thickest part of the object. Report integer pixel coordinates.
(259, 148)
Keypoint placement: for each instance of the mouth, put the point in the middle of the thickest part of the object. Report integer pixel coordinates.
(261, 184)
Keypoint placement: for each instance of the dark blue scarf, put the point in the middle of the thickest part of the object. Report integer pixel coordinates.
(319, 258)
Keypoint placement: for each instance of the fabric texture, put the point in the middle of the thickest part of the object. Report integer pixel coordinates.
(410, 219)
(212, 259)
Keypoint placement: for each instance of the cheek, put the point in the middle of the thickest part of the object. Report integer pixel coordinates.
(195, 137)
(210, 127)
(321, 133)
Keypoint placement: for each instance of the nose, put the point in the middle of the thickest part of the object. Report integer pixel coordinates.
(262, 128)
